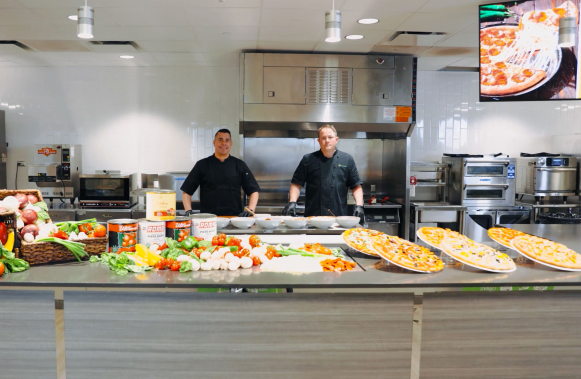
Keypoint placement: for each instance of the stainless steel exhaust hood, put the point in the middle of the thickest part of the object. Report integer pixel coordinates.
(292, 95)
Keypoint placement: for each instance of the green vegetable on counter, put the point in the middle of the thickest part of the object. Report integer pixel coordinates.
(12, 263)
(73, 226)
(77, 248)
(205, 243)
(186, 266)
(189, 243)
(120, 263)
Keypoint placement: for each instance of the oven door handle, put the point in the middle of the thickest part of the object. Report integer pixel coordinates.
(505, 186)
(558, 169)
(506, 163)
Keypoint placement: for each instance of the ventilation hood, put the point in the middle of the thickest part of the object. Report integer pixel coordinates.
(292, 95)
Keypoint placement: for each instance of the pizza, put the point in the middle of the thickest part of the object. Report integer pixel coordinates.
(547, 251)
(504, 235)
(498, 75)
(434, 236)
(360, 240)
(406, 254)
(547, 20)
(477, 254)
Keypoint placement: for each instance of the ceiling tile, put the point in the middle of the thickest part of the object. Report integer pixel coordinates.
(41, 32)
(461, 40)
(405, 39)
(221, 4)
(286, 46)
(139, 3)
(174, 33)
(179, 57)
(453, 6)
(223, 59)
(342, 47)
(59, 16)
(293, 18)
(387, 21)
(227, 46)
(66, 56)
(445, 51)
(226, 33)
(20, 17)
(369, 37)
(436, 22)
(170, 46)
(288, 34)
(56, 46)
(11, 49)
(224, 16)
(322, 5)
(4, 4)
(114, 49)
(58, 3)
(408, 50)
(149, 16)
(115, 57)
(109, 33)
(372, 7)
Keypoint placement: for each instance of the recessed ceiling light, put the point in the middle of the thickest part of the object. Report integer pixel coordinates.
(126, 56)
(368, 21)
(74, 17)
(354, 36)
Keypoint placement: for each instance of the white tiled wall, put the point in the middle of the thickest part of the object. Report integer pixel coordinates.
(133, 119)
(450, 119)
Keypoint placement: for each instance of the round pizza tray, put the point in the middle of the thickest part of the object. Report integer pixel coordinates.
(411, 269)
(553, 68)
(543, 263)
(502, 244)
(428, 243)
(478, 267)
(362, 252)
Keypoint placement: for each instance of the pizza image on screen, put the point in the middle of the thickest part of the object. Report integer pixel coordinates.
(521, 52)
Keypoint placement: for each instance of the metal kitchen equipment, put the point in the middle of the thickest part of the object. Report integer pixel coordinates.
(107, 189)
(479, 220)
(56, 170)
(3, 151)
(481, 181)
(436, 214)
(369, 99)
(173, 181)
(552, 176)
(432, 179)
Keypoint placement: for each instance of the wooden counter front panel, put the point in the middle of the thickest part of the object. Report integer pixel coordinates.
(223, 335)
(501, 335)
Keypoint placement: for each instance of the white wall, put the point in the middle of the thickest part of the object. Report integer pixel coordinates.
(133, 119)
(450, 119)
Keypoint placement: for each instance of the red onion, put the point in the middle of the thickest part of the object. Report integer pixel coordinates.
(29, 216)
(22, 199)
(34, 229)
(33, 199)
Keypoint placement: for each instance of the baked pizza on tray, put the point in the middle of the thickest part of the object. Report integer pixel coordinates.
(546, 251)
(504, 235)
(434, 235)
(407, 254)
(478, 255)
(360, 240)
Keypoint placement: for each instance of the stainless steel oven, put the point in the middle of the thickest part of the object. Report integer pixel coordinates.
(107, 190)
(552, 176)
(481, 181)
(478, 220)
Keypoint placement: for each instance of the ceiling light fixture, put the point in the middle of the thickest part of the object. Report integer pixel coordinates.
(567, 28)
(333, 25)
(126, 56)
(85, 22)
(354, 36)
(73, 17)
(368, 21)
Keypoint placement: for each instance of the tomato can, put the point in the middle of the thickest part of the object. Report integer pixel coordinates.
(204, 225)
(151, 232)
(178, 228)
(160, 204)
(122, 235)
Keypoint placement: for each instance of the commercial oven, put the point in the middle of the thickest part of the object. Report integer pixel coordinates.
(478, 220)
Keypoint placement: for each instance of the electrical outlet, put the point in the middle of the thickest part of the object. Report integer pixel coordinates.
(21, 163)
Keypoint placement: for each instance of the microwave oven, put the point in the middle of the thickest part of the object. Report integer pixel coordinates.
(107, 190)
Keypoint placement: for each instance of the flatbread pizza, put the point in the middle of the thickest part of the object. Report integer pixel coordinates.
(360, 240)
(546, 251)
(478, 255)
(504, 235)
(406, 254)
(433, 236)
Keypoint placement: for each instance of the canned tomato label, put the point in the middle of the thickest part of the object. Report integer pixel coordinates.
(204, 225)
(178, 228)
(151, 232)
(122, 235)
(160, 205)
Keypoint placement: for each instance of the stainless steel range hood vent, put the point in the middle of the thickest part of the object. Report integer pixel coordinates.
(363, 96)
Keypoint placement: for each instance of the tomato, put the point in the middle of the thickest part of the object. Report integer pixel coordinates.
(269, 254)
(163, 247)
(215, 241)
(100, 231)
(199, 238)
(175, 266)
(126, 237)
(124, 244)
(85, 228)
(2, 269)
(159, 265)
(3, 233)
(255, 261)
(245, 252)
(254, 240)
(234, 242)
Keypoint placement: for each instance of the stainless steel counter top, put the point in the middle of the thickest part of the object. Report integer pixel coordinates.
(427, 206)
(569, 235)
(282, 229)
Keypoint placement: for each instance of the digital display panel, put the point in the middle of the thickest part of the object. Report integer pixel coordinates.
(521, 58)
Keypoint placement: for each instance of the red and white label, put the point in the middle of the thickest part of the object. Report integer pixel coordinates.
(205, 228)
(46, 151)
(151, 232)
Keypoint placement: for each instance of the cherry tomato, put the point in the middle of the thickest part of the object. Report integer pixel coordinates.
(100, 231)
(269, 254)
(255, 261)
(2, 269)
(254, 240)
(215, 241)
(163, 247)
(199, 238)
(234, 242)
(245, 252)
(175, 266)
(159, 265)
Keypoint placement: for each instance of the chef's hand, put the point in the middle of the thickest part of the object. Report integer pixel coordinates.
(290, 209)
(245, 214)
(359, 212)
(189, 213)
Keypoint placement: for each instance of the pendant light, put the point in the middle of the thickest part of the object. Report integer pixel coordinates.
(567, 26)
(333, 25)
(85, 22)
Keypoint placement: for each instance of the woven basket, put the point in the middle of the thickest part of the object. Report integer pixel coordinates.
(37, 253)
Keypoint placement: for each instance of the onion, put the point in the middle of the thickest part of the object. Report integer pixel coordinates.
(29, 216)
(22, 199)
(32, 199)
(30, 229)
(2, 209)
(11, 203)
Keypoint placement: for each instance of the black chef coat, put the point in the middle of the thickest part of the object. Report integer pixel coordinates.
(328, 180)
(220, 184)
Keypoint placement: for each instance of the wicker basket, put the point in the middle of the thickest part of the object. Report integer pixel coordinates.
(37, 253)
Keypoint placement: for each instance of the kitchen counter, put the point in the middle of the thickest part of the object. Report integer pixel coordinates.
(283, 229)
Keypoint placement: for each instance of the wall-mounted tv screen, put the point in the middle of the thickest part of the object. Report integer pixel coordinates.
(521, 55)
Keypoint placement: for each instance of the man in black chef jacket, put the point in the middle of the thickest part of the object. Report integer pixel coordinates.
(220, 177)
(328, 174)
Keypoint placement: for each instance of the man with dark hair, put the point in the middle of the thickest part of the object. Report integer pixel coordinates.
(220, 177)
(328, 174)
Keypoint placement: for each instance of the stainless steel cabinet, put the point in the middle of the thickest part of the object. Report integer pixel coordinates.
(372, 87)
(284, 85)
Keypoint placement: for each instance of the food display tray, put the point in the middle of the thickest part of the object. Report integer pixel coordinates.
(543, 263)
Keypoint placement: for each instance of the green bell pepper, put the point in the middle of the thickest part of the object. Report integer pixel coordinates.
(189, 243)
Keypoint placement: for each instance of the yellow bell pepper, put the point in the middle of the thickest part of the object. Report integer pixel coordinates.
(10, 242)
